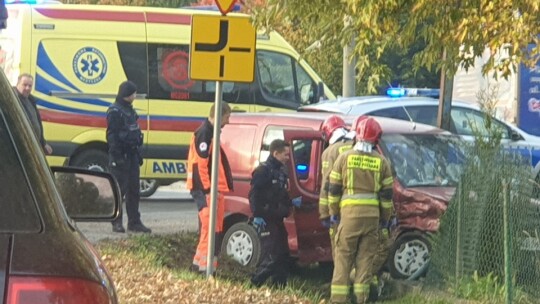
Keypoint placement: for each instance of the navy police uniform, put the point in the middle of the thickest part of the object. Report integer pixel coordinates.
(269, 199)
(125, 139)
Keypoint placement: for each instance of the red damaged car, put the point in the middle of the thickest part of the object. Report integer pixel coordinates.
(426, 163)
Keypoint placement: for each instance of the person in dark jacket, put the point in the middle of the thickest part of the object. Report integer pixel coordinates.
(125, 139)
(270, 203)
(25, 82)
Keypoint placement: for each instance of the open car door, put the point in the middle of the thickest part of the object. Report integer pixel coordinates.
(312, 242)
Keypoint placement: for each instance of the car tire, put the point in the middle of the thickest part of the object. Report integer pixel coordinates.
(409, 253)
(242, 244)
(95, 160)
(148, 187)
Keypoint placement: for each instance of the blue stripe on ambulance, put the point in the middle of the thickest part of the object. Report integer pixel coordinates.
(45, 63)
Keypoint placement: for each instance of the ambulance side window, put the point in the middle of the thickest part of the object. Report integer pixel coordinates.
(283, 82)
(134, 63)
(168, 68)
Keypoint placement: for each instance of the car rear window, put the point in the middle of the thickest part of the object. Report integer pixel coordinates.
(19, 212)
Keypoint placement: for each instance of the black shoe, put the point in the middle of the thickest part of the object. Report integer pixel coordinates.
(139, 227)
(117, 227)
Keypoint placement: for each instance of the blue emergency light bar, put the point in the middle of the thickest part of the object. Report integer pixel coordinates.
(410, 92)
(301, 168)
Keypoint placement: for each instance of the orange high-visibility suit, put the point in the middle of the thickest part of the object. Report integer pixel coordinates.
(198, 182)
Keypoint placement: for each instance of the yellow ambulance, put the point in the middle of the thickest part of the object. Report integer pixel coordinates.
(79, 54)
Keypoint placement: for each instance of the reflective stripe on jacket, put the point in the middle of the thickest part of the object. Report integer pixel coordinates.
(200, 162)
(328, 158)
(360, 179)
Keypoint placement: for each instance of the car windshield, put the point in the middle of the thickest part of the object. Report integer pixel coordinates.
(423, 160)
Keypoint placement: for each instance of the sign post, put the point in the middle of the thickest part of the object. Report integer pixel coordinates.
(222, 49)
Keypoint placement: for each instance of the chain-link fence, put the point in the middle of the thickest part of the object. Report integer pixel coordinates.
(488, 245)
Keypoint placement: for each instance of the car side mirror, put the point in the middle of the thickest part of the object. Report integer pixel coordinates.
(515, 136)
(87, 195)
(318, 93)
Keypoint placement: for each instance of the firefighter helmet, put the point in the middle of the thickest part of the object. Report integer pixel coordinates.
(357, 120)
(368, 129)
(331, 124)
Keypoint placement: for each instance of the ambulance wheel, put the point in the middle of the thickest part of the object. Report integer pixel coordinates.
(148, 187)
(409, 254)
(241, 243)
(95, 160)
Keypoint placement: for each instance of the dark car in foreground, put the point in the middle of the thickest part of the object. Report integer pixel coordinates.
(43, 256)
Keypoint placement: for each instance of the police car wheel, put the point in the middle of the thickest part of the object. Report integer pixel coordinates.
(148, 187)
(241, 243)
(95, 160)
(409, 254)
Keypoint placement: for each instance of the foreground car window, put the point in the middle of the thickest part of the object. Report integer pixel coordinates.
(19, 213)
(424, 160)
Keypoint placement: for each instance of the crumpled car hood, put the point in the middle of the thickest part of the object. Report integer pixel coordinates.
(421, 207)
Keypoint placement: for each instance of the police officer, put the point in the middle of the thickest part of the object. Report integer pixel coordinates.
(125, 139)
(339, 139)
(360, 194)
(270, 204)
(199, 180)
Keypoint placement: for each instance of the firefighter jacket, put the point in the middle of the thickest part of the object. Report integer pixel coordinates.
(269, 195)
(361, 186)
(200, 162)
(329, 156)
(124, 135)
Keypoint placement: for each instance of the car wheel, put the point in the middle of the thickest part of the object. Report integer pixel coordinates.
(95, 160)
(409, 253)
(241, 243)
(148, 187)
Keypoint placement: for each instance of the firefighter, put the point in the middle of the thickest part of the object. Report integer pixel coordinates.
(339, 139)
(360, 194)
(199, 180)
(270, 203)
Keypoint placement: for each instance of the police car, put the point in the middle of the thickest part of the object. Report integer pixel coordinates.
(421, 105)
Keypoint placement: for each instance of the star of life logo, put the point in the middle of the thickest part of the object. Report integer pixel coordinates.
(90, 65)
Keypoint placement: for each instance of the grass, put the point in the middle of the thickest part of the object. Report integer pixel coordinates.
(174, 252)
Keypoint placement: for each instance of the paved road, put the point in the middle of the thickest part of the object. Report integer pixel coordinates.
(169, 210)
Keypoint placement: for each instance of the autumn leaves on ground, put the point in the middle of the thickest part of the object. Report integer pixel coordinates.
(149, 269)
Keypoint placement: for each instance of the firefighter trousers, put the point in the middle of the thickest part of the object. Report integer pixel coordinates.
(200, 259)
(356, 245)
(379, 261)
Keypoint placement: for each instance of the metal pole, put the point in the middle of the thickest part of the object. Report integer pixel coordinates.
(349, 70)
(214, 181)
(445, 99)
(506, 230)
(349, 64)
(458, 233)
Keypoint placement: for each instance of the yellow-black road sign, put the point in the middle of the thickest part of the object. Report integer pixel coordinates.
(225, 6)
(222, 48)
